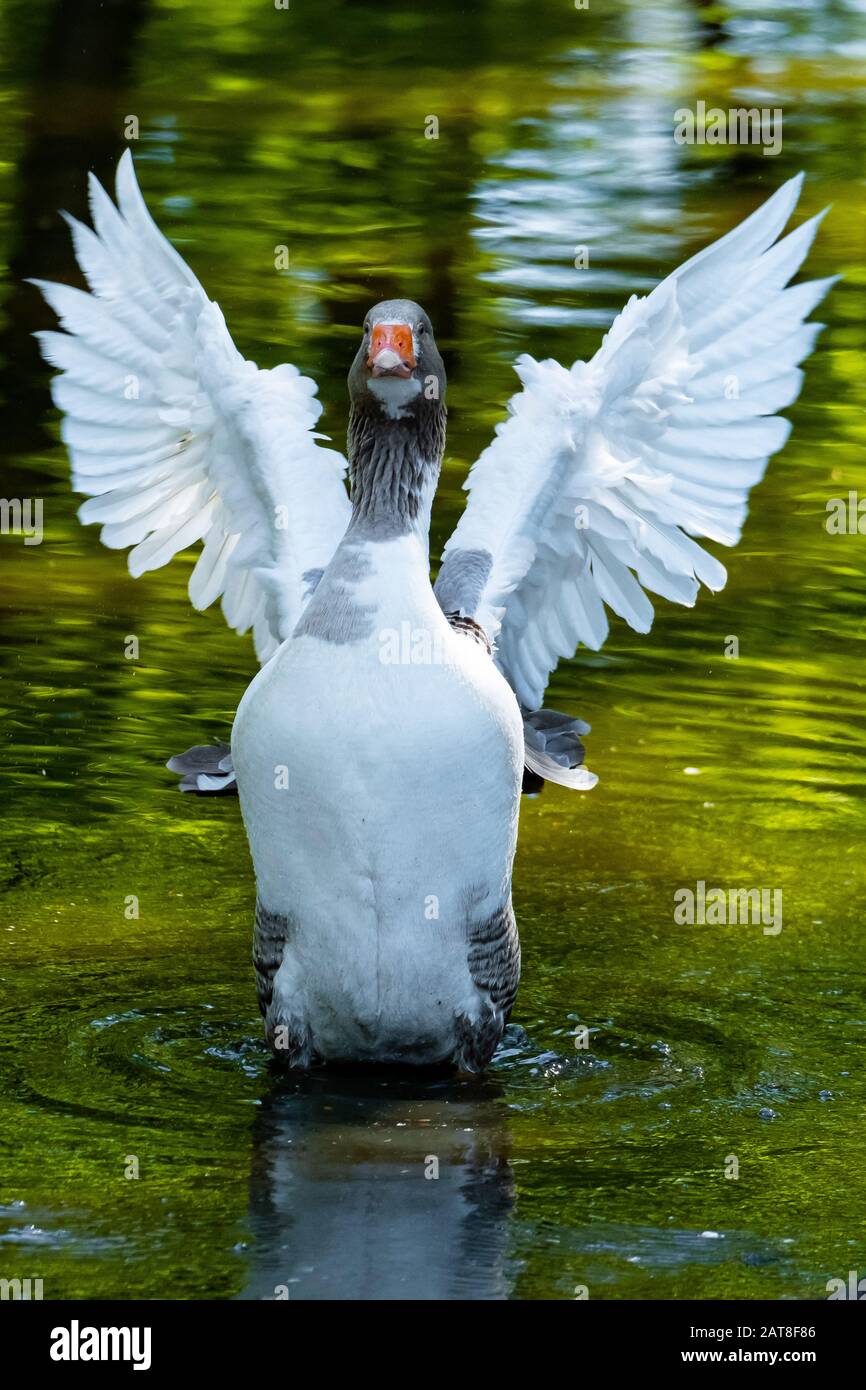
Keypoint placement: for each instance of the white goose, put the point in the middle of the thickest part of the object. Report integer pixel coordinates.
(379, 751)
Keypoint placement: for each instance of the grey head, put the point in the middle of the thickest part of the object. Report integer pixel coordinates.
(397, 372)
(397, 418)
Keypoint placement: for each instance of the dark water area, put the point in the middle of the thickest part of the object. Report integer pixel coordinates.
(606, 1166)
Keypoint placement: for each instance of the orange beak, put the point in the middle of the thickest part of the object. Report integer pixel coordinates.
(391, 350)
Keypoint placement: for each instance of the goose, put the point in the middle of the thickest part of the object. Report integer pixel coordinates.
(380, 750)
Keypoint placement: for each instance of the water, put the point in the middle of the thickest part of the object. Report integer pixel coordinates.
(135, 1042)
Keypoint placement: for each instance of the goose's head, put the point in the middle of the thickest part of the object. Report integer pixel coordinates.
(397, 373)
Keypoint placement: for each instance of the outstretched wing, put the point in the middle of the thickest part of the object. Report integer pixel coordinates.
(594, 487)
(176, 438)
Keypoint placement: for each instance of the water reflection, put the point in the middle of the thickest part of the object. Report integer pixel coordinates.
(341, 1204)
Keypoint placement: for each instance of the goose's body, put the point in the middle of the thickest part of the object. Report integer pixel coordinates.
(380, 750)
(381, 867)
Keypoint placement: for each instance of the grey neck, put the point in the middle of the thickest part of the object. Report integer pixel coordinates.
(394, 467)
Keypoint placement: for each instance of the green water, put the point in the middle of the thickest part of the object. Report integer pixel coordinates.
(602, 1167)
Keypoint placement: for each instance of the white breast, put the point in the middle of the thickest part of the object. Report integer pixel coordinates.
(379, 781)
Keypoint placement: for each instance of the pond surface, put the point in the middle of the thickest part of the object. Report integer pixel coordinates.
(709, 1140)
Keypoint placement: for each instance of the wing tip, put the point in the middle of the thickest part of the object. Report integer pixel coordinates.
(796, 181)
(789, 192)
(125, 180)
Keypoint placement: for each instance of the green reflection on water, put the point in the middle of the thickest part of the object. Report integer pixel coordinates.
(121, 1037)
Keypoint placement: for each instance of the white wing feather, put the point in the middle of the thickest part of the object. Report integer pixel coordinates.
(176, 438)
(594, 486)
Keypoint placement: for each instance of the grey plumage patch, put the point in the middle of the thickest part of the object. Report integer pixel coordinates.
(494, 964)
(494, 958)
(388, 309)
(334, 613)
(310, 580)
(394, 465)
(476, 1040)
(271, 932)
(461, 580)
(287, 1037)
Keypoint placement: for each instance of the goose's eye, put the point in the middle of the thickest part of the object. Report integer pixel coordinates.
(422, 328)
(366, 328)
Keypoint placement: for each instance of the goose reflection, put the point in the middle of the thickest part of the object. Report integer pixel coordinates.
(377, 1187)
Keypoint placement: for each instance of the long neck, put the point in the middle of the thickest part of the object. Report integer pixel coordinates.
(394, 468)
